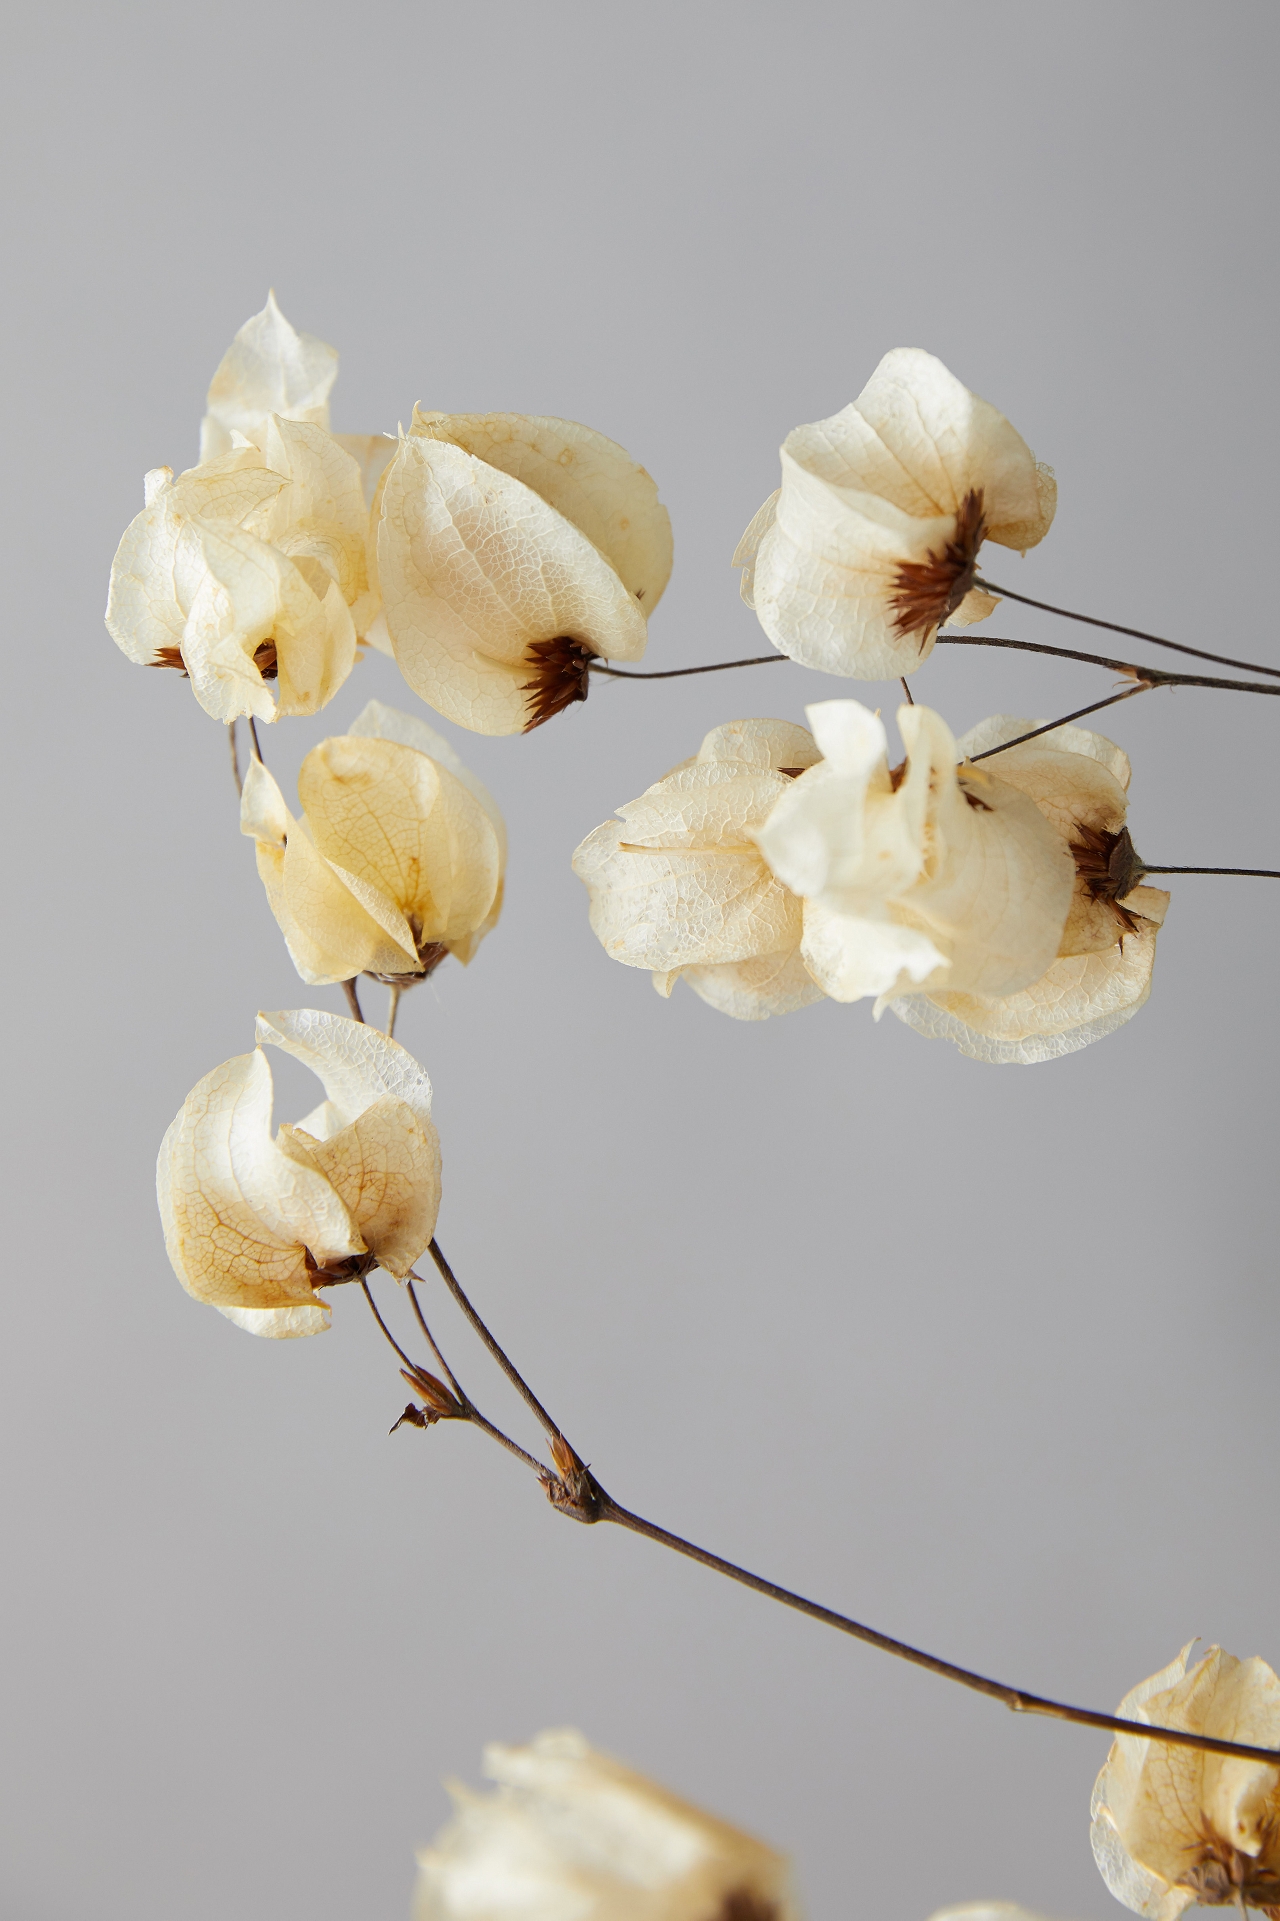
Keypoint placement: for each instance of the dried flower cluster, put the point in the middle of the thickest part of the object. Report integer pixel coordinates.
(981, 902)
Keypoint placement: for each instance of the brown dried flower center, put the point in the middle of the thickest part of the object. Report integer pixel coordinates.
(169, 657)
(1109, 866)
(430, 953)
(353, 1268)
(561, 675)
(742, 1905)
(264, 659)
(925, 592)
(1222, 1875)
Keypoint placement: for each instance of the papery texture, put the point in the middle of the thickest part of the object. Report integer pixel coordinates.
(254, 1224)
(268, 369)
(678, 885)
(570, 1835)
(1174, 1826)
(511, 550)
(872, 540)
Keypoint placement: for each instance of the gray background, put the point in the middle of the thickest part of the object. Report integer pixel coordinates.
(986, 1356)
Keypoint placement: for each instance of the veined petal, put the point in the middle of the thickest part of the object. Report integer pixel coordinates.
(281, 1323)
(357, 1064)
(267, 369)
(752, 990)
(377, 721)
(335, 926)
(385, 1165)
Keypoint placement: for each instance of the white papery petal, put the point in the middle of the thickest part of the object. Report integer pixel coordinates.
(268, 369)
(356, 1063)
(280, 1323)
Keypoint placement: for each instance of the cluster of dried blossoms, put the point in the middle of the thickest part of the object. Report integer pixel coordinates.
(985, 889)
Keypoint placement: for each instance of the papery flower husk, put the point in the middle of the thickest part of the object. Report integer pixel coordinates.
(1171, 1825)
(678, 885)
(572, 1833)
(885, 485)
(501, 533)
(251, 1222)
(268, 369)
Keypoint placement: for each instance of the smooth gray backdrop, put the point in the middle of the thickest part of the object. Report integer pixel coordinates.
(986, 1356)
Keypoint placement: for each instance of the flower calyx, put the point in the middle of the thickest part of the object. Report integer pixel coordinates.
(1110, 868)
(561, 675)
(573, 1489)
(439, 1403)
(1225, 1876)
(430, 953)
(927, 592)
(334, 1273)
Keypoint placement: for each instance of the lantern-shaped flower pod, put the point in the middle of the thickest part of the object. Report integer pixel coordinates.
(571, 1833)
(678, 884)
(512, 551)
(255, 1224)
(1101, 975)
(872, 541)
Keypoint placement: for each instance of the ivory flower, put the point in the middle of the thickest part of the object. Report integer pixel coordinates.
(571, 1835)
(922, 877)
(397, 860)
(511, 551)
(253, 566)
(678, 884)
(1102, 972)
(872, 540)
(1172, 1825)
(255, 1225)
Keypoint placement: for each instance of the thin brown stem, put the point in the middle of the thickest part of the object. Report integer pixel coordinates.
(907, 691)
(577, 1493)
(408, 1359)
(353, 1001)
(1155, 676)
(235, 757)
(257, 744)
(393, 1004)
(1136, 633)
(1143, 687)
(678, 673)
(431, 1343)
(1260, 873)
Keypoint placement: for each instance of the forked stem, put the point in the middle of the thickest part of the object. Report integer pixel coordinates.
(353, 1001)
(1114, 627)
(1143, 687)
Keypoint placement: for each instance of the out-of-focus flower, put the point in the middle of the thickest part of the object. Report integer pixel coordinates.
(1102, 972)
(254, 1225)
(986, 1911)
(872, 541)
(917, 877)
(1174, 1826)
(253, 566)
(571, 1835)
(511, 551)
(398, 858)
(678, 884)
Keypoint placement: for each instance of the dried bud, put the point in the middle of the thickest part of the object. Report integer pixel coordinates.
(1174, 1826)
(397, 861)
(570, 1832)
(1102, 973)
(678, 884)
(255, 1225)
(512, 550)
(872, 541)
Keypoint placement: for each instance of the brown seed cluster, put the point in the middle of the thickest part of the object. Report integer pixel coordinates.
(264, 659)
(1109, 866)
(927, 591)
(1222, 1876)
(742, 1905)
(561, 675)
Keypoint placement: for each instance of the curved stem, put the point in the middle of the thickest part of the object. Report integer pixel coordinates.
(678, 673)
(257, 744)
(1261, 873)
(1156, 676)
(353, 1001)
(1143, 687)
(508, 1366)
(1113, 627)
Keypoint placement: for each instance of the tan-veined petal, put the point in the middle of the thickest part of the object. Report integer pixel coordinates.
(335, 925)
(319, 519)
(357, 1064)
(268, 369)
(750, 990)
(385, 1166)
(377, 721)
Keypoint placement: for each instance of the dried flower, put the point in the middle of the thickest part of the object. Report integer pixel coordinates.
(398, 858)
(917, 877)
(872, 541)
(678, 884)
(571, 1835)
(1102, 973)
(1173, 1825)
(512, 551)
(255, 1225)
(253, 566)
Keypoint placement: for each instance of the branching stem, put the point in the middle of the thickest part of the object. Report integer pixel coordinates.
(1143, 687)
(353, 1001)
(1154, 676)
(678, 673)
(1113, 627)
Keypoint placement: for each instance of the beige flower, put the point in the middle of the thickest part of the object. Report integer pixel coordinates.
(511, 551)
(571, 1835)
(398, 858)
(872, 540)
(268, 369)
(1173, 1825)
(1102, 973)
(922, 876)
(255, 1225)
(678, 884)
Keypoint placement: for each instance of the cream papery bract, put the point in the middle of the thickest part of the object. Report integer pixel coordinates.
(872, 540)
(248, 568)
(268, 369)
(397, 860)
(571, 1835)
(919, 877)
(1101, 974)
(511, 549)
(1174, 1826)
(678, 884)
(255, 1224)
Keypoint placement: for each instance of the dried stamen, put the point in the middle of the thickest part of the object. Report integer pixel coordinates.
(1222, 1875)
(927, 591)
(430, 953)
(353, 1268)
(170, 657)
(264, 659)
(1109, 866)
(561, 675)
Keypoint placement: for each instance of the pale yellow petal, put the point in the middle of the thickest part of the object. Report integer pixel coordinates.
(357, 1064)
(752, 990)
(280, 1323)
(385, 1165)
(332, 934)
(267, 369)
(377, 721)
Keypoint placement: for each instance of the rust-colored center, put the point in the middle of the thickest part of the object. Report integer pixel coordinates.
(925, 592)
(561, 675)
(1109, 866)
